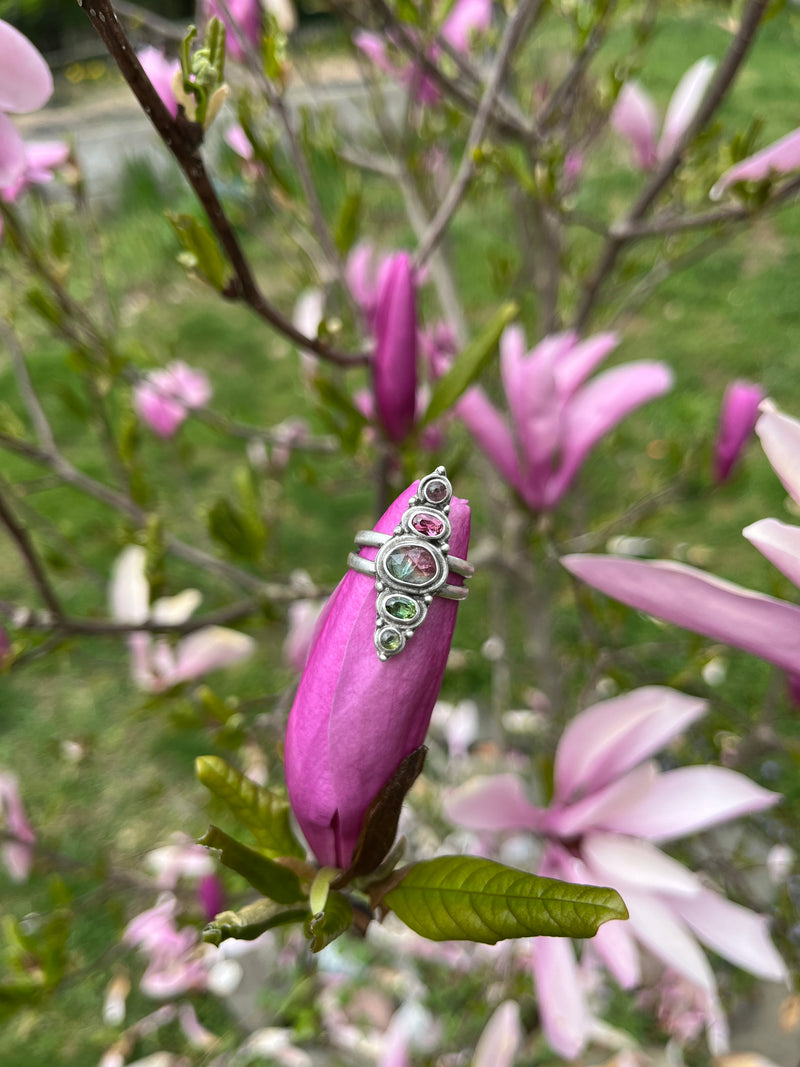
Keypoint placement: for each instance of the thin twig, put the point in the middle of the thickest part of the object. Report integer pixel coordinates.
(183, 138)
(720, 84)
(27, 550)
(512, 37)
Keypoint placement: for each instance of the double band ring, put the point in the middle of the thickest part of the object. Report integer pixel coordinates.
(412, 564)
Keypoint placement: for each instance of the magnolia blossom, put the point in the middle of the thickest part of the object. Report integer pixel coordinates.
(182, 858)
(760, 624)
(635, 116)
(156, 664)
(355, 717)
(26, 84)
(164, 398)
(501, 1039)
(611, 807)
(175, 956)
(737, 420)
(17, 854)
(394, 362)
(780, 157)
(556, 417)
(162, 73)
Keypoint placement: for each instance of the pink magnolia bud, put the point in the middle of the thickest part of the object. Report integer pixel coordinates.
(736, 422)
(356, 717)
(394, 365)
(211, 895)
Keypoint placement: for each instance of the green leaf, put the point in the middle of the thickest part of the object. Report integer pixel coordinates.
(250, 922)
(265, 814)
(469, 364)
(327, 925)
(241, 533)
(271, 879)
(340, 413)
(347, 221)
(202, 248)
(463, 898)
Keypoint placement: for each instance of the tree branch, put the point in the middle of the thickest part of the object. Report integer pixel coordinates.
(27, 550)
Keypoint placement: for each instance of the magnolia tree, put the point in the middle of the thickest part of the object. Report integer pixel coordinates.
(528, 861)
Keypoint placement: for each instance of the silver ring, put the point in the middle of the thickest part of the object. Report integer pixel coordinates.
(412, 564)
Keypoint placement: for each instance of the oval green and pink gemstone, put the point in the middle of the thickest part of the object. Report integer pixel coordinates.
(413, 564)
(428, 525)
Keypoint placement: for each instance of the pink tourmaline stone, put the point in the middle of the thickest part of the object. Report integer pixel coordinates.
(415, 565)
(436, 491)
(428, 525)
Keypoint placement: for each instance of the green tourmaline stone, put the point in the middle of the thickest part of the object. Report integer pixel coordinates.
(389, 640)
(402, 608)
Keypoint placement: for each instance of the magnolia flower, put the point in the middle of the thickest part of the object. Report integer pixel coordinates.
(162, 73)
(164, 398)
(246, 14)
(501, 1039)
(26, 84)
(175, 956)
(780, 157)
(17, 854)
(737, 420)
(611, 805)
(355, 717)
(394, 362)
(556, 419)
(157, 665)
(635, 116)
(183, 858)
(760, 624)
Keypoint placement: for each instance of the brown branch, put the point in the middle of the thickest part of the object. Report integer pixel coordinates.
(720, 84)
(183, 138)
(27, 551)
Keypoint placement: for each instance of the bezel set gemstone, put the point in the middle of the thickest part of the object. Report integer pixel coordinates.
(427, 522)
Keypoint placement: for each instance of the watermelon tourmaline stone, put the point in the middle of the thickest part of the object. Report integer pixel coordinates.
(428, 525)
(414, 564)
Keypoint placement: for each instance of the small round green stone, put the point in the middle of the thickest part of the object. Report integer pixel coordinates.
(390, 640)
(402, 608)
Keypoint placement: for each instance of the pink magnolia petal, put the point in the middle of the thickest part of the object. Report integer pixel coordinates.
(599, 406)
(466, 18)
(725, 612)
(26, 83)
(577, 362)
(187, 385)
(210, 649)
(237, 139)
(626, 861)
(161, 72)
(490, 431)
(609, 738)
(599, 809)
(495, 802)
(374, 48)
(635, 117)
(501, 1039)
(562, 1006)
(738, 416)
(777, 158)
(691, 799)
(616, 947)
(683, 106)
(536, 412)
(734, 932)
(780, 438)
(661, 931)
(780, 544)
(162, 413)
(12, 156)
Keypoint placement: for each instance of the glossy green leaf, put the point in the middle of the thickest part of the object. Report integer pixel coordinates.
(469, 365)
(251, 921)
(271, 879)
(327, 925)
(201, 247)
(464, 898)
(264, 813)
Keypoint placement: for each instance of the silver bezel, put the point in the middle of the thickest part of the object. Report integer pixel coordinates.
(434, 477)
(385, 653)
(383, 576)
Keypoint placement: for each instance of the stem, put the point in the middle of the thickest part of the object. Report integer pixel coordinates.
(27, 550)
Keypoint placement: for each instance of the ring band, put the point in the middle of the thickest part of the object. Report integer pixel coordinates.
(412, 564)
(367, 566)
(373, 539)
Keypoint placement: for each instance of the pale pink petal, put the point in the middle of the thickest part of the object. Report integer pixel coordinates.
(495, 802)
(598, 809)
(304, 615)
(688, 800)
(42, 158)
(780, 544)
(187, 385)
(660, 930)
(466, 18)
(173, 610)
(738, 415)
(196, 1034)
(734, 932)
(161, 72)
(562, 1006)
(12, 156)
(626, 861)
(598, 407)
(237, 139)
(779, 157)
(502, 1036)
(577, 362)
(162, 413)
(635, 117)
(690, 598)
(609, 738)
(615, 945)
(374, 48)
(17, 855)
(208, 650)
(26, 83)
(536, 412)
(780, 439)
(683, 106)
(129, 592)
(490, 431)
